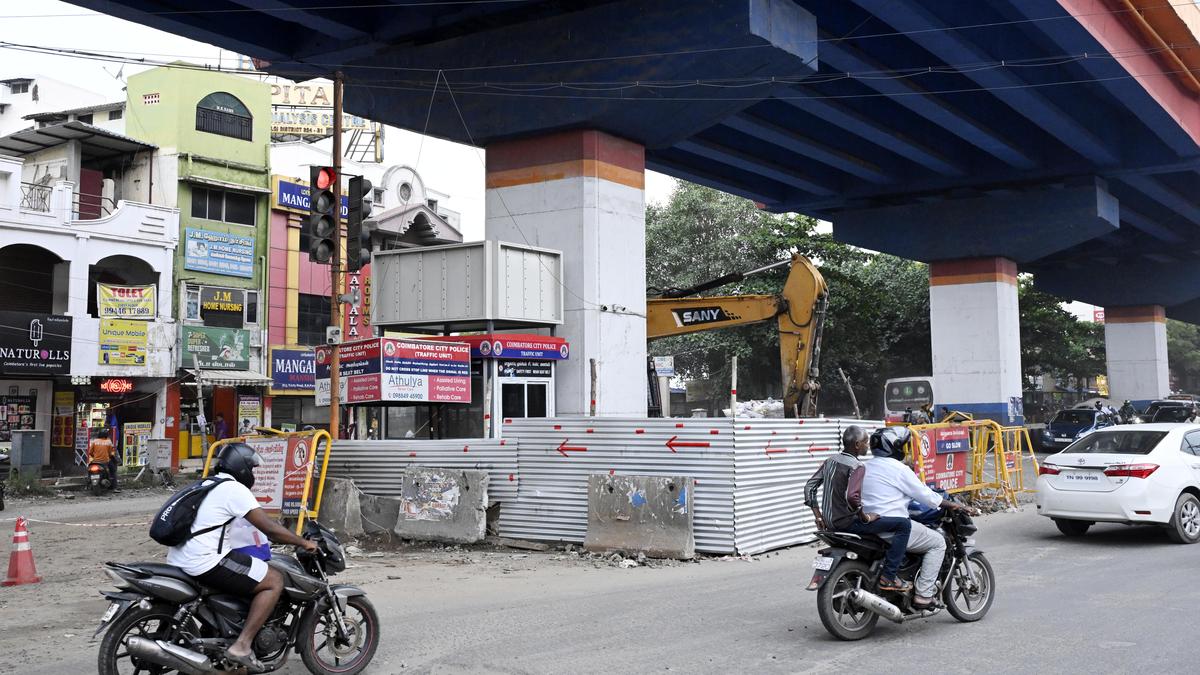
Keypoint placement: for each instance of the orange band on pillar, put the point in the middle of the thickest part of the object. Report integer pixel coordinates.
(973, 271)
(1135, 314)
(568, 154)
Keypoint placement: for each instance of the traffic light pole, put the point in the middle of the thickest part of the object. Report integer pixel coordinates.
(335, 267)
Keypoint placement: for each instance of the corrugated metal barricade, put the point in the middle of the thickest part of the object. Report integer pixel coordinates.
(774, 459)
(556, 455)
(377, 467)
(750, 474)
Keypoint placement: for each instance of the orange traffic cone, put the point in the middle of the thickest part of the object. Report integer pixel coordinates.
(20, 561)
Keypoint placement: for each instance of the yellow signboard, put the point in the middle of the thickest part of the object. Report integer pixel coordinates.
(127, 302)
(122, 342)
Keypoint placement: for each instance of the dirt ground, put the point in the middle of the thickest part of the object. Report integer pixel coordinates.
(72, 538)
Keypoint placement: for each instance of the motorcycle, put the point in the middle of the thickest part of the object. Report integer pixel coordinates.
(846, 578)
(99, 480)
(161, 620)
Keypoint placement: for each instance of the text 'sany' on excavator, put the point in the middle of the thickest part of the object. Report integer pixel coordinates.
(799, 308)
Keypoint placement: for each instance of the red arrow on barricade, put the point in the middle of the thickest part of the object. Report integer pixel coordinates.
(672, 444)
(563, 448)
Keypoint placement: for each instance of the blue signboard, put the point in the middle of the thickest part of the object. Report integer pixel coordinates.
(293, 370)
(219, 253)
(289, 195)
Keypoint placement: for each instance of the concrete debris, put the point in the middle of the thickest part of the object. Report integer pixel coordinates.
(627, 563)
(517, 544)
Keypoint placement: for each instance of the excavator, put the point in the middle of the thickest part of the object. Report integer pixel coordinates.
(799, 309)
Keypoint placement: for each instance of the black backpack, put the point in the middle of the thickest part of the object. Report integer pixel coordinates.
(172, 525)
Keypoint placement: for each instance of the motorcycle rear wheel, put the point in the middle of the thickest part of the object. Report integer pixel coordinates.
(319, 648)
(115, 659)
(971, 588)
(843, 620)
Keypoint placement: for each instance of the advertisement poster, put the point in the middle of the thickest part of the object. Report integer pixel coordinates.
(17, 413)
(216, 348)
(279, 480)
(133, 445)
(82, 437)
(62, 426)
(394, 370)
(127, 302)
(944, 456)
(123, 342)
(249, 414)
(293, 371)
(35, 344)
(219, 253)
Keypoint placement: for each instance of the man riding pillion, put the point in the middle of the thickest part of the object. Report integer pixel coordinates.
(888, 487)
(841, 507)
(208, 557)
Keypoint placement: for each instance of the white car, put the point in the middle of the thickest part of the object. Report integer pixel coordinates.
(1145, 473)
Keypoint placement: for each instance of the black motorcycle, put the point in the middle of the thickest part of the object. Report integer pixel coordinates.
(163, 621)
(99, 480)
(846, 578)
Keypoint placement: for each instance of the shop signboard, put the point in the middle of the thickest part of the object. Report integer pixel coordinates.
(62, 427)
(222, 307)
(135, 437)
(249, 413)
(127, 302)
(395, 370)
(293, 371)
(513, 346)
(944, 455)
(218, 252)
(279, 480)
(294, 196)
(35, 344)
(123, 342)
(216, 348)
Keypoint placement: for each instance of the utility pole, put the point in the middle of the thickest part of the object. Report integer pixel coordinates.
(335, 267)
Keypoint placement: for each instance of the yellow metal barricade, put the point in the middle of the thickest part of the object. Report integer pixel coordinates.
(317, 439)
(994, 457)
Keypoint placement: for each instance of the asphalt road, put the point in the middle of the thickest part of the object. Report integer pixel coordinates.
(1120, 600)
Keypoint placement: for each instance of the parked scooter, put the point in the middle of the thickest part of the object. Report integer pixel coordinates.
(99, 480)
(846, 577)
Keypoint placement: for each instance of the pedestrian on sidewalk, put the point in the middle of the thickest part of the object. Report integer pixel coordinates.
(100, 449)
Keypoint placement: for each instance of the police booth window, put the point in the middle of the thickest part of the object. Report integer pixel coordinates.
(440, 420)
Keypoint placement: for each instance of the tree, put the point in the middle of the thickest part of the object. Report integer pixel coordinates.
(1054, 343)
(876, 324)
(1183, 353)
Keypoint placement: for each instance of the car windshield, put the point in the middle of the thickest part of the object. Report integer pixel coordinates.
(1117, 443)
(1173, 414)
(1074, 417)
(1153, 408)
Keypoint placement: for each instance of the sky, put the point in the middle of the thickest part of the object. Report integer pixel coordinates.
(450, 168)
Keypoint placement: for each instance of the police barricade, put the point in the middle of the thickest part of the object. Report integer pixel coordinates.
(978, 458)
(284, 484)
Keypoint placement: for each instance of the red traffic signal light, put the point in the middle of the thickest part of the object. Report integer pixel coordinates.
(325, 178)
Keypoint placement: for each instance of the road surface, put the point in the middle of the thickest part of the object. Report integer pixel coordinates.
(1120, 600)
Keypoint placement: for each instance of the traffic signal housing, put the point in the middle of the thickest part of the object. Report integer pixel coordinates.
(361, 200)
(322, 223)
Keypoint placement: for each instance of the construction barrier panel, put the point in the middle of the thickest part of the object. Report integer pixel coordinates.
(284, 484)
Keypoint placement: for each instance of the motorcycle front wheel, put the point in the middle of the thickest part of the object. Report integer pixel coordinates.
(154, 623)
(840, 617)
(971, 588)
(324, 652)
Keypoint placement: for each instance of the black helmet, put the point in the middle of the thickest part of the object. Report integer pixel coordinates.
(238, 460)
(890, 442)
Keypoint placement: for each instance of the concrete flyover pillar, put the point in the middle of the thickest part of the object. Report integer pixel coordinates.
(976, 337)
(1135, 341)
(582, 192)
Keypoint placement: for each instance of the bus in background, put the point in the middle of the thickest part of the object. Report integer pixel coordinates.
(906, 394)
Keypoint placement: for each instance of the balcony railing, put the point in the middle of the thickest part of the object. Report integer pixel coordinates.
(92, 207)
(36, 197)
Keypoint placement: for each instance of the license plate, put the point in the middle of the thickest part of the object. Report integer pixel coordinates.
(112, 611)
(1063, 440)
(822, 563)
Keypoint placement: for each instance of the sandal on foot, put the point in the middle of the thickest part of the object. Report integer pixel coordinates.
(921, 602)
(247, 661)
(897, 585)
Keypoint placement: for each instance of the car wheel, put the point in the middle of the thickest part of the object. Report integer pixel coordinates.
(1073, 528)
(1184, 527)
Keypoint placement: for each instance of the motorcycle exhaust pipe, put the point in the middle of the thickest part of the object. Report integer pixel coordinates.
(162, 653)
(876, 604)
